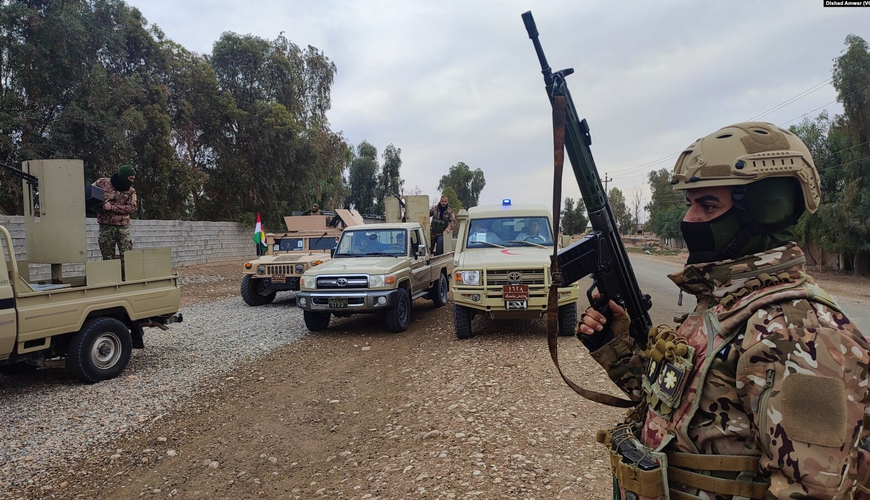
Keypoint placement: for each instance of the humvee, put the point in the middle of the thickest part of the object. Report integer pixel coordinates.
(307, 243)
(89, 323)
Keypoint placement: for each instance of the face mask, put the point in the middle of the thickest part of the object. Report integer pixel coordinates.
(706, 240)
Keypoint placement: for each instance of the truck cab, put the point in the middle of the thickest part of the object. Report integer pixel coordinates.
(503, 266)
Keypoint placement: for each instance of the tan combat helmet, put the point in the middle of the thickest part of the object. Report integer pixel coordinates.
(744, 153)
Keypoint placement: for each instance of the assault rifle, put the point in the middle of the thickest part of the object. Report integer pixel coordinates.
(600, 254)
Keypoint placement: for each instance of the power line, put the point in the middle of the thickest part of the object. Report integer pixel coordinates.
(792, 99)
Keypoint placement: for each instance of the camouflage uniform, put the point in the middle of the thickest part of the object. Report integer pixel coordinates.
(114, 220)
(766, 367)
(441, 222)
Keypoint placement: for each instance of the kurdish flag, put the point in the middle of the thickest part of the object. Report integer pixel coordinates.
(259, 236)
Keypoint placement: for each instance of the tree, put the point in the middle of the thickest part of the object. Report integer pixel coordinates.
(636, 200)
(465, 182)
(664, 204)
(453, 200)
(574, 218)
(390, 181)
(620, 210)
(363, 179)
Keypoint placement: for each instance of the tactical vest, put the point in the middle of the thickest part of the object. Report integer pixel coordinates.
(678, 364)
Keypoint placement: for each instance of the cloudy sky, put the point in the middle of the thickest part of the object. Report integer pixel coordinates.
(450, 81)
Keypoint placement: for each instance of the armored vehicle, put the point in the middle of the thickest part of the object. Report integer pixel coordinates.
(307, 243)
(88, 323)
(503, 267)
(379, 268)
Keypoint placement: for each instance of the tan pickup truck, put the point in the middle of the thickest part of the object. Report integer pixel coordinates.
(378, 268)
(87, 323)
(503, 267)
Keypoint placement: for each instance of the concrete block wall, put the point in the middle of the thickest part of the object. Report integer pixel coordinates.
(192, 242)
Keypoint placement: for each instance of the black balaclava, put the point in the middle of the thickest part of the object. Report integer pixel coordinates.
(761, 219)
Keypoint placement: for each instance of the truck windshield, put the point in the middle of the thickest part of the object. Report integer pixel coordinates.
(290, 244)
(509, 232)
(373, 242)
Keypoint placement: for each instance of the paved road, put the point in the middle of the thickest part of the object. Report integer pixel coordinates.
(652, 278)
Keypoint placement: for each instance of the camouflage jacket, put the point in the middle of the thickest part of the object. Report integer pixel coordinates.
(771, 368)
(117, 205)
(446, 220)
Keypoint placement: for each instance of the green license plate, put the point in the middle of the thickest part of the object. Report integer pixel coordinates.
(337, 303)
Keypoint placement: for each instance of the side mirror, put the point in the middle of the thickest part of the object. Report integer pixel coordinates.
(566, 241)
(421, 251)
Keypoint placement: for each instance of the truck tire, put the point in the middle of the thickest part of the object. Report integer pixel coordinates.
(100, 350)
(253, 293)
(567, 319)
(316, 321)
(462, 321)
(438, 292)
(400, 315)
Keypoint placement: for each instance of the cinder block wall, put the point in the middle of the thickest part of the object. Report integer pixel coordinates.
(192, 242)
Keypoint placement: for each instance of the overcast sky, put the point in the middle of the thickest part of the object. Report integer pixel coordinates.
(451, 81)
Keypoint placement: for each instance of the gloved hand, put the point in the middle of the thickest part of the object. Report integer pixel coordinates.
(594, 331)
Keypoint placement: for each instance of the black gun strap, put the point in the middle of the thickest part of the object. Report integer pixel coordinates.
(555, 272)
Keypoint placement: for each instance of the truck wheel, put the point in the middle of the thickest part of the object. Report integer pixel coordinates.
(100, 350)
(438, 292)
(254, 293)
(316, 321)
(462, 321)
(400, 315)
(567, 319)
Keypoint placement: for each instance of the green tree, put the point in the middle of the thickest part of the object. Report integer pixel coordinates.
(574, 217)
(465, 182)
(663, 202)
(363, 179)
(453, 200)
(390, 181)
(620, 210)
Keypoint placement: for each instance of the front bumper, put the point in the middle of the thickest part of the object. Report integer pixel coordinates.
(363, 301)
(289, 284)
(490, 300)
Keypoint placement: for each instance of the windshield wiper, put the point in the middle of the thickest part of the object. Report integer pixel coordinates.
(489, 243)
(527, 242)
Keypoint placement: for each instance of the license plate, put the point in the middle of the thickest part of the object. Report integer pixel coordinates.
(278, 278)
(516, 292)
(516, 304)
(337, 303)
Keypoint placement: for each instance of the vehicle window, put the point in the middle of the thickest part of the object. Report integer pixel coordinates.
(290, 244)
(509, 232)
(321, 243)
(372, 242)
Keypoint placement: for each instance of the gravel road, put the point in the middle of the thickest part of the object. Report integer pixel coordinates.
(51, 420)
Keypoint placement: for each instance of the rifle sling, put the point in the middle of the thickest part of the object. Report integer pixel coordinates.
(555, 272)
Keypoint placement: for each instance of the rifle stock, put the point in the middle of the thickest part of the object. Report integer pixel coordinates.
(601, 254)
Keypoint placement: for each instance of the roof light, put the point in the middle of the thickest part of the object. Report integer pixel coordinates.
(506, 202)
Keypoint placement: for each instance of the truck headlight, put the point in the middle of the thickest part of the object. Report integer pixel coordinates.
(468, 277)
(381, 280)
(299, 268)
(309, 282)
(261, 269)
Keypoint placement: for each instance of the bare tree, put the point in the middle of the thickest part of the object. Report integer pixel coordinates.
(636, 197)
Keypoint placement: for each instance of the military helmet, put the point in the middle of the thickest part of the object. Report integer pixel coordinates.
(744, 153)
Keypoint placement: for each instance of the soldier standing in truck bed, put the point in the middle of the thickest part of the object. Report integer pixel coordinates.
(443, 220)
(119, 201)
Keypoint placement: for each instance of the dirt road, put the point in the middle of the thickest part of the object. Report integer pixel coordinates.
(355, 412)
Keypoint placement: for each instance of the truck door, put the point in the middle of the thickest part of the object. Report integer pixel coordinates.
(8, 322)
(420, 271)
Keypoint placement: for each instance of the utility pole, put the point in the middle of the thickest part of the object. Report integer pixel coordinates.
(606, 180)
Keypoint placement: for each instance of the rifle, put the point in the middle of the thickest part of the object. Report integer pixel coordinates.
(601, 253)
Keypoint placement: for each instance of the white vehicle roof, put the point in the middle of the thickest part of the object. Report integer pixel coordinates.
(518, 210)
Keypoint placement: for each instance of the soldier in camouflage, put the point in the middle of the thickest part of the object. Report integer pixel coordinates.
(762, 391)
(443, 220)
(119, 201)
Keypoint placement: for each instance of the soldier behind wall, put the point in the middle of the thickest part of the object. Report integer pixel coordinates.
(119, 201)
(443, 220)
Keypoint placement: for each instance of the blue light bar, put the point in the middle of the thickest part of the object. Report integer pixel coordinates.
(506, 201)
